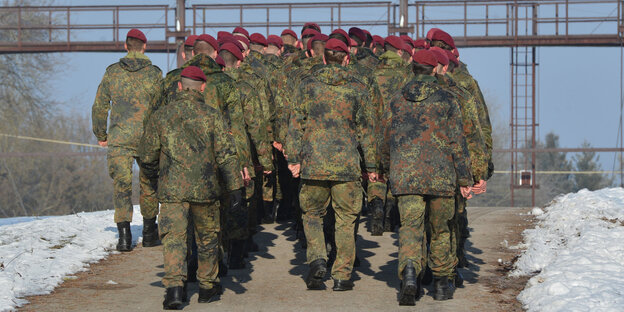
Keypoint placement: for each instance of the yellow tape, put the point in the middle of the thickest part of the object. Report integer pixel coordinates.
(48, 140)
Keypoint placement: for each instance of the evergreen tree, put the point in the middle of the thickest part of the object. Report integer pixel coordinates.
(588, 161)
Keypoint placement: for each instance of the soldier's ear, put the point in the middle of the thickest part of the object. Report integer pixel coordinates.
(238, 62)
(144, 48)
(180, 85)
(203, 87)
(126, 46)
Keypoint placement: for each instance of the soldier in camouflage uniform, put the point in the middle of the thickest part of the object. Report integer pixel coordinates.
(328, 125)
(289, 39)
(188, 150)
(426, 156)
(390, 75)
(273, 52)
(127, 89)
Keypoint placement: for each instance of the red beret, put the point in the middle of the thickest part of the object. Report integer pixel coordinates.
(190, 41)
(223, 34)
(407, 48)
(241, 30)
(394, 41)
(367, 33)
(319, 37)
(136, 34)
(209, 39)
(193, 72)
(341, 32)
(233, 40)
(452, 57)
(425, 57)
(421, 44)
(440, 55)
(378, 40)
(232, 48)
(309, 32)
(336, 45)
(275, 40)
(407, 40)
(258, 38)
(289, 32)
(443, 36)
(352, 43)
(312, 26)
(431, 32)
(243, 40)
(220, 61)
(357, 32)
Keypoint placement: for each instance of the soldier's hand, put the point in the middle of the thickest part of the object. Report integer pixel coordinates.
(480, 187)
(103, 143)
(246, 177)
(373, 177)
(465, 191)
(267, 172)
(278, 146)
(295, 170)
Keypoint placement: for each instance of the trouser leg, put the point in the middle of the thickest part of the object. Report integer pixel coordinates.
(442, 258)
(314, 198)
(411, 232)
(173, 221)
(347, 203)
(147, 198)
(206, 220)
(120, 170)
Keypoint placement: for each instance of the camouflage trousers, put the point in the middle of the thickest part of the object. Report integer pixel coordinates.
(346, 200)
(236, 226)
(412, 245)
(120, 170)
(173, 222)
(460, 226)
(376, 190)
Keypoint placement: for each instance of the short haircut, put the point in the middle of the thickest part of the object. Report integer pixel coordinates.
(422, 69)
(369, 40)
(203, 47)
(288, 39)
(357, 40)
(318, 47)
(134, 44)
(188, 50)
(256, 47)
(228, 58)
(451, 67)
(441, 44)
(340, 37)
(334, 57)
(389, 47)
(188, 83)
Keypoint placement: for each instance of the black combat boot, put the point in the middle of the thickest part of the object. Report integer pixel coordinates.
(459, 279)
(442, 288)
(409, 285)
(342, 285)
(208, 295)
(267, 212)
(236, 253)
(125, 236)
(377, 212)
(251, 245)
(223, 269)
(390, 208)
(191, 269)
(318, 269)
(150, 233)
(427, 276)
(174, 298)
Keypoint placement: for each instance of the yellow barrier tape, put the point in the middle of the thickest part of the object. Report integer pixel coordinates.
(48, 140)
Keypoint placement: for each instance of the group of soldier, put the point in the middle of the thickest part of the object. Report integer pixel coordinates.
(251, 130)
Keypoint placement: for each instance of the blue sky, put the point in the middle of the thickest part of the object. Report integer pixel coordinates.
(578, 92)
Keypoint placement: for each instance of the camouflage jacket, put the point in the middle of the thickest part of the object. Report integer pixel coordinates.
(257, 62)
(328, 125)
(228, 103)
(187, 147)
(289, 50)
(127, 90)
(256, 124)
(273, 62)
(424, 148)
(472, 127)
(463, 78)
(367, 58)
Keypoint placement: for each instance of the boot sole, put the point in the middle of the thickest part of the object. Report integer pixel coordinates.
(315, 281)
(124, 249)
(150, 244)
(175, 305)
(407, 297)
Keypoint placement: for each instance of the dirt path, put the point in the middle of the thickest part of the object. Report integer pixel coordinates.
(274, 279)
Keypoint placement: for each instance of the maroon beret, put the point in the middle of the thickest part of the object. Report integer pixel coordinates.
(223, 34)
(336, 45)
(407, 48)
(444, 37)
(289, 32)
(136, 34)
(378, 40)
(407, 40)
(220, 61)
(275, 40)
(452, 57)
(193, 72)
(233, 40)
(431, 32)
(232, 48)
(421, 44)
(241, 30)
(190, 41)
(440, 55)
(357, 32)
(367, 33)
(319, 37)
(394, 41)
(425, 57)
(342, 32)
(258, 38)
(243, 40)
(309, 32)
(209, 39)
(312, 26)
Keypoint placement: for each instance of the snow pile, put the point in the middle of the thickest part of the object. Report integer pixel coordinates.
(37, 254)
(578, 250)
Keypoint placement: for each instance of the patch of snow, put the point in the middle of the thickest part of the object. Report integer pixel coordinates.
(537, 211)
(38, 254)
(577, 253)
